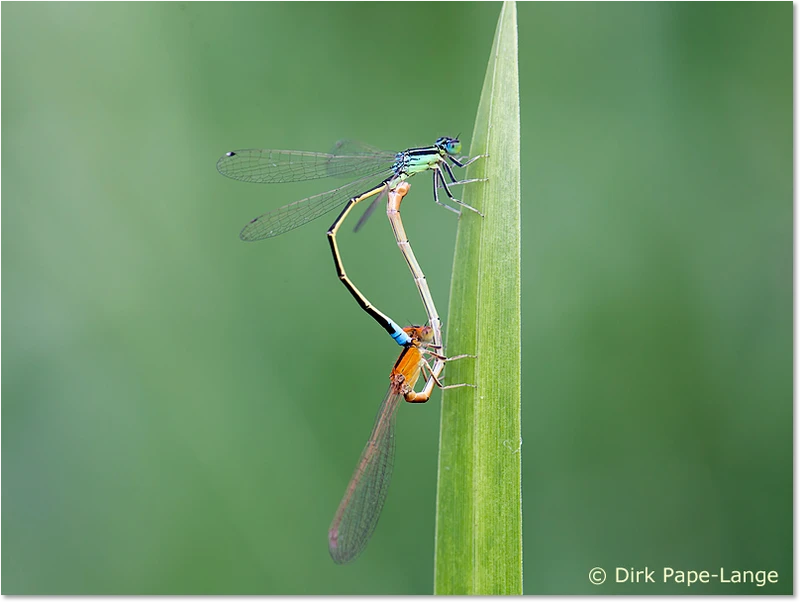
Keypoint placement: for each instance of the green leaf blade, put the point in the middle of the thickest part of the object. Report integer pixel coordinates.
(479, 512)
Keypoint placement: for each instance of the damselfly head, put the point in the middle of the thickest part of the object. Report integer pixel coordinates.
(420, 334)
(452, 146)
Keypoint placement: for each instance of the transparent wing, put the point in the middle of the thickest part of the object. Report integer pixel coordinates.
(361, 506)
(274, 166)
(367, 212)
(301, 212)
(354, 147)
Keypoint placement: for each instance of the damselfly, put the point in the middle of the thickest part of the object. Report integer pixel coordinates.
(394, 199)
(363, 500)
(352, 159)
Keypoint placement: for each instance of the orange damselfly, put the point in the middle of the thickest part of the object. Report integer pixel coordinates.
(363, 500)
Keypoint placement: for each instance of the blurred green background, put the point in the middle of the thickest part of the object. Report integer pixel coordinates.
(181, 410)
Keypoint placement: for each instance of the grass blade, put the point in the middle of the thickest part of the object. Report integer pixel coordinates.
(479, 505)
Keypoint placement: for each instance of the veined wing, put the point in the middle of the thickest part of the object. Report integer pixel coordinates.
(301, 212)
(367, 212)
(361, 506)
(354, 147)
(274, 166)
